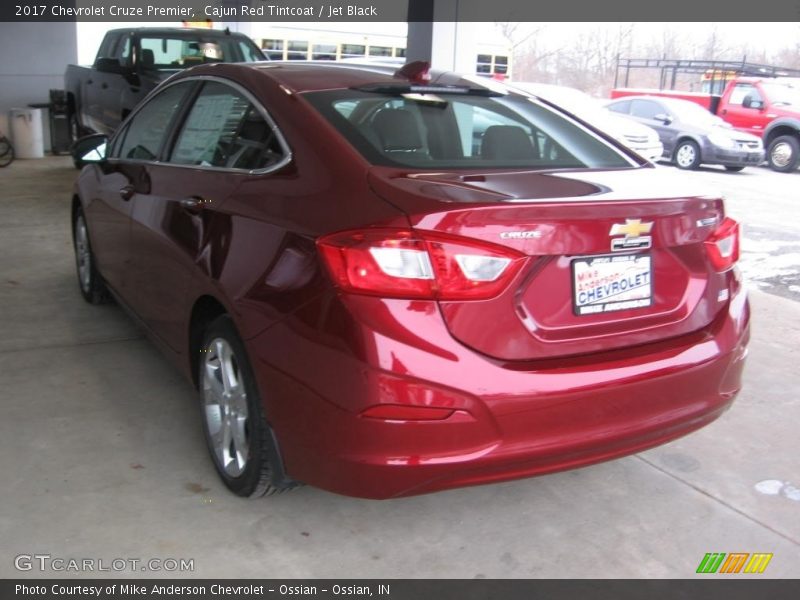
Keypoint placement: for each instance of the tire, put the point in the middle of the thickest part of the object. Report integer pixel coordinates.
(91, 284)
(733, 169)
(242, 445)
(6, 152)
(687, 155)
(783, 153)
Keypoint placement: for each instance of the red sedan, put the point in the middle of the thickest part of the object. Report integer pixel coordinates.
(386, 284)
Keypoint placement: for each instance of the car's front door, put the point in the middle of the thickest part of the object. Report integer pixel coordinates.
(745, 109)
(124, 176)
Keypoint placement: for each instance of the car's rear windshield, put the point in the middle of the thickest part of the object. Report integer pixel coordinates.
(164, 53)
(463, 131)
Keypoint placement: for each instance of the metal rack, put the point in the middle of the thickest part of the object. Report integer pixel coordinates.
(670, 68)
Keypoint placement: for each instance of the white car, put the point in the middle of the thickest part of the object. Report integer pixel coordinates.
(639, 138)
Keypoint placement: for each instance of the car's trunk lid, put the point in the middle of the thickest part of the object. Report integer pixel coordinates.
(616, 258)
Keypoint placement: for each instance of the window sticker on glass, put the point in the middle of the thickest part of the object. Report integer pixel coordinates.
(210, 126)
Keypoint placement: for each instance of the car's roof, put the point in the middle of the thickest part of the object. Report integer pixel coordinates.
(666, 100)
(311, 76)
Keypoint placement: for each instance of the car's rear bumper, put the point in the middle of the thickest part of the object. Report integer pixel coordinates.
(509, 420)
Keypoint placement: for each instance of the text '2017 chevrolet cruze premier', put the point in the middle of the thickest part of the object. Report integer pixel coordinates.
(386, 284)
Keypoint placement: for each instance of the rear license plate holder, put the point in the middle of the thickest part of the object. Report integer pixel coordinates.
(610, 283)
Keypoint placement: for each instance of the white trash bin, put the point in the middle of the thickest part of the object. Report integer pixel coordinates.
(26, 132)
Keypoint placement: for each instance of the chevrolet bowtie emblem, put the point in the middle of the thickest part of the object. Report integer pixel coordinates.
(631, 228)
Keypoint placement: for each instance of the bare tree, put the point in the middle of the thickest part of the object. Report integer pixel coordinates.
(530, 55)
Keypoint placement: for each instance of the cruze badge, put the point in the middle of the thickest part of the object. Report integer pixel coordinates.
(520, 235)
(632, 229)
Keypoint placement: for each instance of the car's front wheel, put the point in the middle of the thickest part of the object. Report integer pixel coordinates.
(242, 444)
(783, 153)
(93, 288)
(687, 155)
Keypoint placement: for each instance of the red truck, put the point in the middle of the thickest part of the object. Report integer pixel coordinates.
(768, 107)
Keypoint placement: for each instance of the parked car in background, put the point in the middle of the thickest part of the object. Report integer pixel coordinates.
(637, 137)
(130, 63)
(691, 135)
(767, 107)
(369, 303)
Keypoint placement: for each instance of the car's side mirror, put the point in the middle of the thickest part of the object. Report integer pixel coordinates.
(663, 118)
(111, 65)
(750, 102)
(89, 149)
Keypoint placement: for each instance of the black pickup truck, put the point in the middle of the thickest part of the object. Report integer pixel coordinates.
(131, 62)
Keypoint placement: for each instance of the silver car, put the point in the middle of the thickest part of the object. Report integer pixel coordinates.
(641, 139)
(691, 135)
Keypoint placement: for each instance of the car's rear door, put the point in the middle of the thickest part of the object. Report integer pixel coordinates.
(224, 139)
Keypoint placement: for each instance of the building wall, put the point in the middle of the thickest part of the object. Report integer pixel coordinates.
(34, 57)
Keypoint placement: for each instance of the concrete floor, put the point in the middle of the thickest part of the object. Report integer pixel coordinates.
(102, 457)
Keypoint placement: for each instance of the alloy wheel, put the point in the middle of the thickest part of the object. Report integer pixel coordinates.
(83, 254)
(686, 155)
(225, 404)
(781, 154)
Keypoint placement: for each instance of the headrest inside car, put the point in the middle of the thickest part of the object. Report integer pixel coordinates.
(397, 130)
(507, 142)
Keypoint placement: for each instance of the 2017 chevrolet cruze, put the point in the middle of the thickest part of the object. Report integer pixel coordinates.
(388, 283)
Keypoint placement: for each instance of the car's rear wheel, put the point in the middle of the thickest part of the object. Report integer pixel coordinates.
(733, 169)
(687, 155)
(93, 288)
(242, 444)
(783, 153)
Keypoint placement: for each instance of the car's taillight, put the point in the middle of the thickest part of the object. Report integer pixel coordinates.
(723, 245)
(400, 263)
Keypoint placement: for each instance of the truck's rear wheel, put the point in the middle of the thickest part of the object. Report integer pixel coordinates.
(783, 153)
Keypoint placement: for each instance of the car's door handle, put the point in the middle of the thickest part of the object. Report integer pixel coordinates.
(724, 111)
(193, 203)
(126, 192)
(89, 81)
(104, 86)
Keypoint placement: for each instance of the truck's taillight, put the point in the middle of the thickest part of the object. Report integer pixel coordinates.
(400, 263)
(723, 245)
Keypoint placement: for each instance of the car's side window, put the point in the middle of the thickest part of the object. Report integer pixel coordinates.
(646, 109)
(147, 130)
(623, 107)
(250, 53)
(123, 52)
(742, 91)
(108, 46)
(224, 129)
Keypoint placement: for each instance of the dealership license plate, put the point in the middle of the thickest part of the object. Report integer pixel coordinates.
(603, 284)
